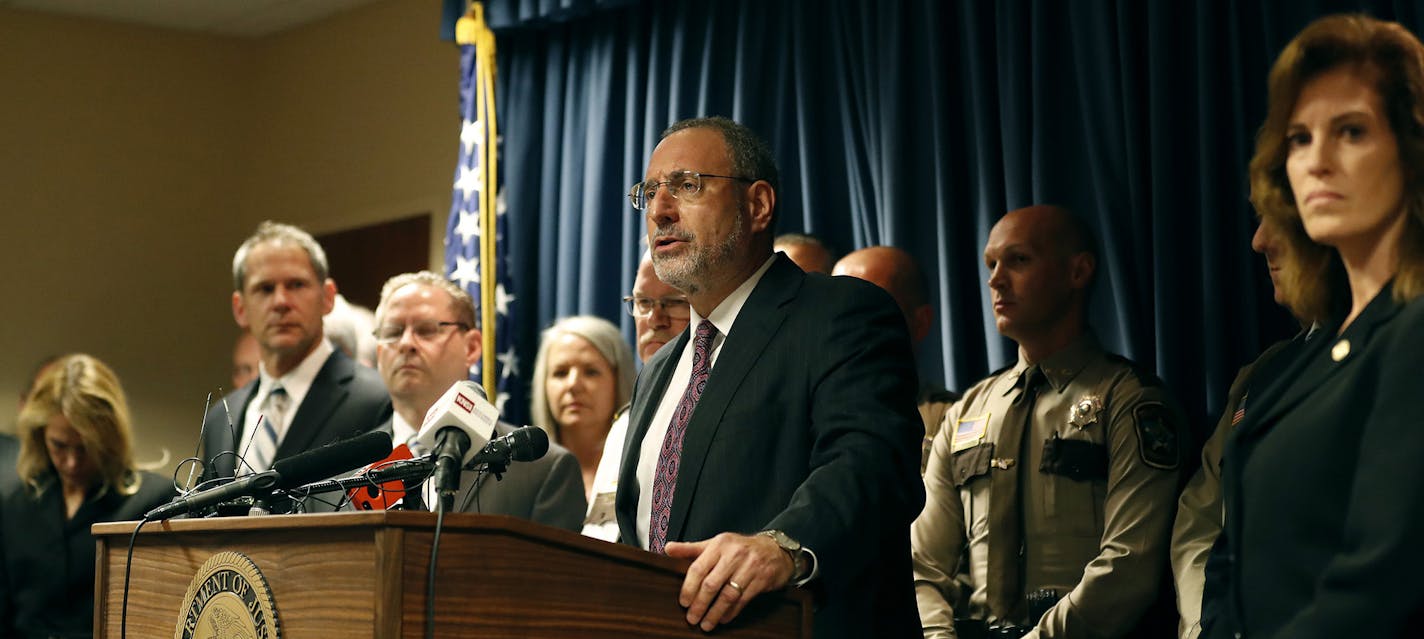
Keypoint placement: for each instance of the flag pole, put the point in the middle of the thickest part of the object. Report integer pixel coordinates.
(472, 30)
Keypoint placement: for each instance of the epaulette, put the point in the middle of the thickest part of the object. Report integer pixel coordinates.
(937, 395)
(1144, 375)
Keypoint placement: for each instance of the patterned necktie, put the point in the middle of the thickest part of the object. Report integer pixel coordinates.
(665, 480)
(1005, 574)
(264, 441)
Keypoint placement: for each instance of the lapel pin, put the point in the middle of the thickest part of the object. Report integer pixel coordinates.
(1340, 350)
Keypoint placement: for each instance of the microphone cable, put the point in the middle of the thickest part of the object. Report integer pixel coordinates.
(128, 572)
(430, 572)
(474, 494)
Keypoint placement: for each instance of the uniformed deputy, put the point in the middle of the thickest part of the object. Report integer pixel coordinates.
(1059, 473)
(1199, 509)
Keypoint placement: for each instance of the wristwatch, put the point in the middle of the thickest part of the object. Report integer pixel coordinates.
(800, 559)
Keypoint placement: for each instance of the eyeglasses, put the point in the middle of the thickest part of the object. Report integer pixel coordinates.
(682, 185)
(675, 307)
(424, 331)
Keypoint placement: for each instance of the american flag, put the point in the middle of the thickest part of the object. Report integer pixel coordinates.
(475, 208)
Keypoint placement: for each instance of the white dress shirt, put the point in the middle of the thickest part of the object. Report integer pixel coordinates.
(722, 317)
(297, 382)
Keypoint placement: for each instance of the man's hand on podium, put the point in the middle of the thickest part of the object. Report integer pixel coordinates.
(728, 571)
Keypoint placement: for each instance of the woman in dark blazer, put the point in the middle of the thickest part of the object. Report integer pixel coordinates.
(76, 469)
(1323, 481)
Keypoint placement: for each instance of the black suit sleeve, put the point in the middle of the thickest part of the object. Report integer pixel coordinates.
(865, 440)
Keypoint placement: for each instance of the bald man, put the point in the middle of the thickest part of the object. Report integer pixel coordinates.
(1055, 477)
(807, 251)
(895, 271)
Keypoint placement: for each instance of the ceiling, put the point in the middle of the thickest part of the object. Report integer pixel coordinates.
(241, 18)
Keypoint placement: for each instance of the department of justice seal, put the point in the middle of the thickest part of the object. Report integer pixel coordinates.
(228, 599)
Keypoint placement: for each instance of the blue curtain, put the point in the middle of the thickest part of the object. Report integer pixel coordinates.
(917, 123)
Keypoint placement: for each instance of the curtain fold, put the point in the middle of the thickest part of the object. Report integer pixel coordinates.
(917, 123)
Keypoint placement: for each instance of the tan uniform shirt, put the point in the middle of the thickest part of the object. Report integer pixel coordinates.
(933, 402)
(1199, 511)
(1097, 506)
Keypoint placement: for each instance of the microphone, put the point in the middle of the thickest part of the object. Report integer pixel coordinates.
(397, 471)
(379, 495)
(333, 459)
(525, 444)
(285, 474)
(456, 426)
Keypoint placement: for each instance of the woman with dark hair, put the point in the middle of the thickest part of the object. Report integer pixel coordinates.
(76, 469)
(1323, 482)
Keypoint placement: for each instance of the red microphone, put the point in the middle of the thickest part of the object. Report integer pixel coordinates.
(381, 496)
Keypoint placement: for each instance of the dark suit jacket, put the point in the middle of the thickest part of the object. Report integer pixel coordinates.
(1323, 484)
(9, 456)
(548, 490)
(47, 583)
(345, 400)
(807, 425)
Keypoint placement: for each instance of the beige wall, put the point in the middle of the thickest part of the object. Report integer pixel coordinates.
(134, 160)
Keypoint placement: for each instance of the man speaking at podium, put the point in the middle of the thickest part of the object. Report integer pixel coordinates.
(425, 343)
(775, 443)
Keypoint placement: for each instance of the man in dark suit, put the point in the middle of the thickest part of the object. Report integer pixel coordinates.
(780, 445)
(307, 394)
(426, 341)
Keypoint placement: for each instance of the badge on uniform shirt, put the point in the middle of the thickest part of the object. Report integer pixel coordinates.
(1085, 411)
(601, 511)
(1156, 436)
(969, 432)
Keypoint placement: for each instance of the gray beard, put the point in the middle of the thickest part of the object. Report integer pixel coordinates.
(691, 273)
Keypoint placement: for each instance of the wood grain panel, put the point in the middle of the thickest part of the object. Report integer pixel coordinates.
(363, 575)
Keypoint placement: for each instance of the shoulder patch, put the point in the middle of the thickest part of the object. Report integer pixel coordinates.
(1156, 436)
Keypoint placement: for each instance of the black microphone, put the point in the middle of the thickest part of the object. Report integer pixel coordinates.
(285, 474)
(525, 444)
(451, 445)
(418, 468)
(332, 460)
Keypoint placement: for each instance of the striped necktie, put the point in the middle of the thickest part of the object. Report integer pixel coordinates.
(264, 442)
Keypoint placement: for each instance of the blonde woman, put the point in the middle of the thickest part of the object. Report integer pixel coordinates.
(76, 468)
(582, 376)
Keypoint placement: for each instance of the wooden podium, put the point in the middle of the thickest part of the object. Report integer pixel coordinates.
(364, 574)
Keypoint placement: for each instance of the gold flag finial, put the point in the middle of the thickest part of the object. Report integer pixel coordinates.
(469, 27)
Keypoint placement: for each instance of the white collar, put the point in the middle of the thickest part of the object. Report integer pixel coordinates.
(298, 380)
(725, 314)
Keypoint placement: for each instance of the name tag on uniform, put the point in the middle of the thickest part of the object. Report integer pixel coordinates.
(969, 432)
